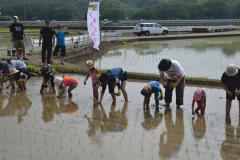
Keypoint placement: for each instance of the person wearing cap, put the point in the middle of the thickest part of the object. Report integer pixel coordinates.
(17, 37)
(48, 77)
(60, 35)
(151, 87)
(200, 98)
(173, 73)
(47, 40)
(93, 73)
(63, 83)
(112, 78)
(231, 83)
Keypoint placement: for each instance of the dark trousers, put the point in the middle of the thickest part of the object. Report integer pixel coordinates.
(63, 50)
(47, 49)
(179, 92)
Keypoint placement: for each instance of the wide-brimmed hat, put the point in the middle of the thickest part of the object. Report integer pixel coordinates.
(15, 17)
(231, 70)
(89, 63)
(58, 81)
(13, 71)
(164, 64)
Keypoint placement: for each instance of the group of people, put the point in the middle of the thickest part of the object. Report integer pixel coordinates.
(46, 40)
(172, 77)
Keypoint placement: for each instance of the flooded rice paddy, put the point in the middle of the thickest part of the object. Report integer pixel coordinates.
(34, 127)
(205, 57)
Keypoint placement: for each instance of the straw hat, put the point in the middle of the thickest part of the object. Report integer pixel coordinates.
(231, 70)
(58, 81)
(13, 71)
(89, 63)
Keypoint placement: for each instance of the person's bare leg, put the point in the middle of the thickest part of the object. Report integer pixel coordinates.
(228, 107)
(113, 98)
(123, 88)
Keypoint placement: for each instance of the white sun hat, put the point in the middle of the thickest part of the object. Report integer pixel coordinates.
(58, 81)
(231, 70)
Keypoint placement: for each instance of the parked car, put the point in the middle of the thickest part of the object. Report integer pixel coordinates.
(149, 29)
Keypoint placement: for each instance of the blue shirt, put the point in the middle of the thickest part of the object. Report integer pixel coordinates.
(116, 73)
(60, 38)
(155, 86)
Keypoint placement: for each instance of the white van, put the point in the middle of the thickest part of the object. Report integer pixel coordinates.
(149, 28)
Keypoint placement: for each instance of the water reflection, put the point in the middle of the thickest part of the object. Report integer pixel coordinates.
(51, 105)
(117, 120)
(151, 122)
(172, 138)
(18, 104)
(199, 128)
(230, 148)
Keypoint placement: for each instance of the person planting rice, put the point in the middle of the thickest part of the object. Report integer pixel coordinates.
(175, 78)
(63, 83)
(93, 73)
(48, 77)
(231, 84)
(200, 98)
(21, 66)
(112, 78)
(19, 77)
(151, 87)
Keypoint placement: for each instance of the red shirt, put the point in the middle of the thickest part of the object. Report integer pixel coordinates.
(68, 81)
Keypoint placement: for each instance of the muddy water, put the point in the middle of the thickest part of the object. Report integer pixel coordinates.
(208, 57)
(33, 127)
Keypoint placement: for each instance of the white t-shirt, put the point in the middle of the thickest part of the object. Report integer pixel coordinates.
(175, 72)
(18, 64)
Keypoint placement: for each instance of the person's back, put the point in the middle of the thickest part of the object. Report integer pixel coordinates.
(60, 38)
(17, 64)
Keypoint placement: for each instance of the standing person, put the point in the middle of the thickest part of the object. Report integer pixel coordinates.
(47, 39)
(151, 87)
(175, 79)
(231, 84)
(63, 83)
(93, 73)
(17, 37)
(60, 35)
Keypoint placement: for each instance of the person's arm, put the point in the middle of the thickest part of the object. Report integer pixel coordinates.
(24, 34)
(193, 102)
(162, 79)
(40, 39)
(227, 90)
(85, 81)
(11, 35)
(178, 82)
(62, 91)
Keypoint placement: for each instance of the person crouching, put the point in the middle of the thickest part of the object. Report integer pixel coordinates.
(63, 83)
(200, 98)
(48, 77)
(151, 87)
(19, 77)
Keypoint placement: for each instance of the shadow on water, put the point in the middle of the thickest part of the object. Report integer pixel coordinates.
(171, 140)
(100, 123)
(51, 105)
(199, 128)
(17, 104)
(230, 148)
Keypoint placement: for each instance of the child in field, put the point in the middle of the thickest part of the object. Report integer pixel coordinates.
(63, 83)
(200, 98)
(48, 77)
(93, 73)
(151, 87)
(19, 77)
